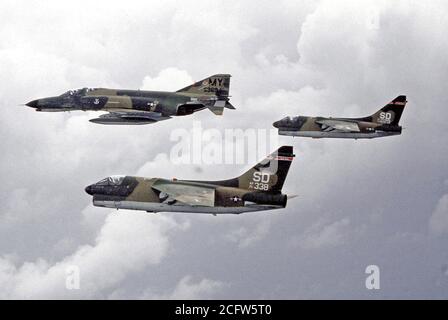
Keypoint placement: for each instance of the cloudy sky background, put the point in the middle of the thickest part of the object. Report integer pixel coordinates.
(382, 202)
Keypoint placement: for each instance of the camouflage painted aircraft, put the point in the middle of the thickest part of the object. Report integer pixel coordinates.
(143, 107)
(255, 190)
(381, 124)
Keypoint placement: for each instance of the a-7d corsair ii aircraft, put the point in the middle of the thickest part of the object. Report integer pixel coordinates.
(383, 123)
(142, 107)
(258, 189)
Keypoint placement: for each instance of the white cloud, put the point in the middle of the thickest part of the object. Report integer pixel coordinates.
(322, 235)
(249, 235)
(169, 79)
(127, 243)
(438, 223)
(188, 289)
(342, 61)
(21, 207)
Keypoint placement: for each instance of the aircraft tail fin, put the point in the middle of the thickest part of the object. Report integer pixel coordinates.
(216, 85)
(391, 112)
(269, 175)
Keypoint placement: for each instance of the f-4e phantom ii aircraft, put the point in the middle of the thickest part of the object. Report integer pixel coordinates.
(381, 124)
(256, 190)
(143, 107)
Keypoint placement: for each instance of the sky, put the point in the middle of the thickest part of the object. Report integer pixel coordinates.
(380, 202)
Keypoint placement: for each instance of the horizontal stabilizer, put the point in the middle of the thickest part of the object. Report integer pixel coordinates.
(229, 106)
(219, 105)
(217, 110)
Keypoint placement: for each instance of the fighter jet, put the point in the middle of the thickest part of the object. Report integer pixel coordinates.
(142, 107)
(381, 124)
(260, 188)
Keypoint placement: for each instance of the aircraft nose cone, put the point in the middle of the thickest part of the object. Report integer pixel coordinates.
(276, 124)
(89, 190)
(32, 104)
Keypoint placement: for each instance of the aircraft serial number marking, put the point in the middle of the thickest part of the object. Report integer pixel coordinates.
(260, 181)
(261, 186)
(385, 117)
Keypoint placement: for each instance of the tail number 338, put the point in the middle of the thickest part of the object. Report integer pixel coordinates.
(261, 181)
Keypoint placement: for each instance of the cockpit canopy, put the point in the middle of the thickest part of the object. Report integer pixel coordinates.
(111, 181)
(293, 121)
(289, 119)
(76, 92)
(290, 122)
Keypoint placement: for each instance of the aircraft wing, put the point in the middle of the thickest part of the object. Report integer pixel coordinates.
(338, 125)
(130, 117)
(189, 194)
